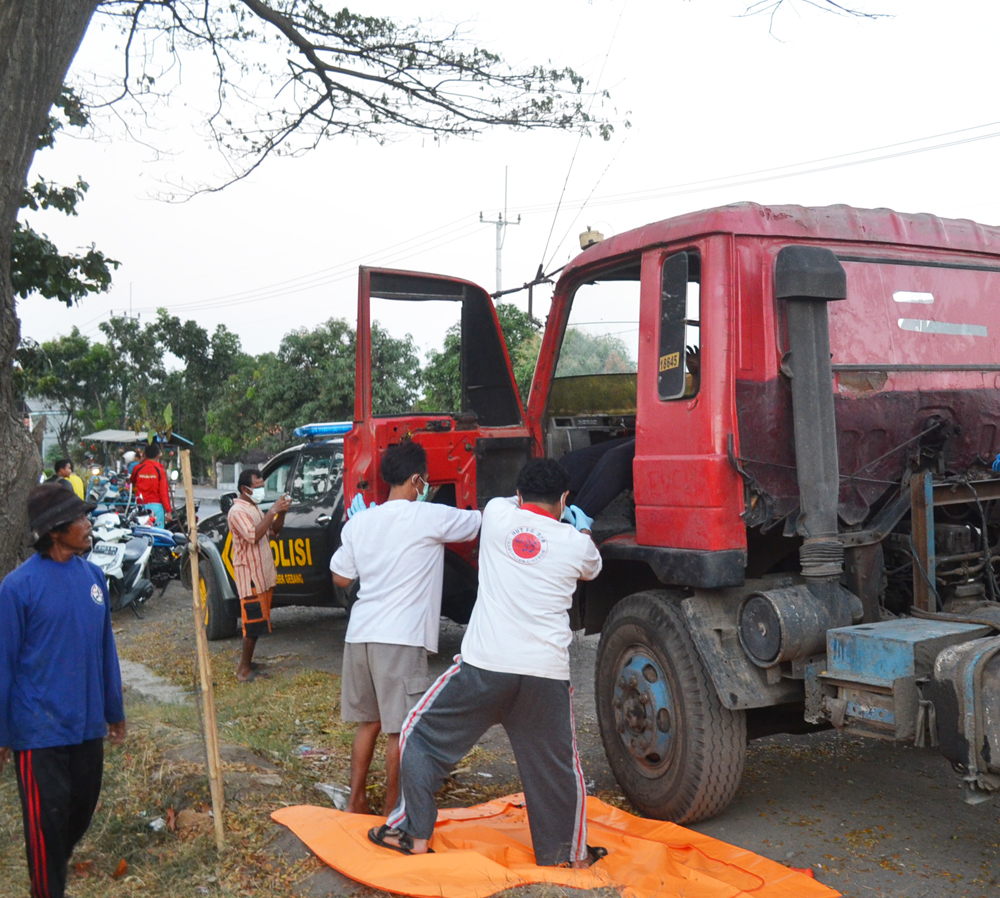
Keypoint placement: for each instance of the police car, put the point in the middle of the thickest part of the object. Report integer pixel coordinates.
(311, 473)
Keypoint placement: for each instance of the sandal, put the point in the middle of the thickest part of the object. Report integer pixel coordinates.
(594, 854)
(405, 840)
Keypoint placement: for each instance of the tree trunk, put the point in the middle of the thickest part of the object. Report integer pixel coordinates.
(38, 40)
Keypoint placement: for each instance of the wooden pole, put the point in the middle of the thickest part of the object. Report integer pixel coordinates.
(204, 664)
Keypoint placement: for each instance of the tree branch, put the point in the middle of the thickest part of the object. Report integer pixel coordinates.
(345, 74)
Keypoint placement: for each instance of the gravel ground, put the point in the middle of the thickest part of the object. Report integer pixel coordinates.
(870, 818)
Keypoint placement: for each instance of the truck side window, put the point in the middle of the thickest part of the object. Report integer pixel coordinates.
(679, 364)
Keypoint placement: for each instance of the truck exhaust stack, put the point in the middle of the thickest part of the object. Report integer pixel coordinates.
(790, 623)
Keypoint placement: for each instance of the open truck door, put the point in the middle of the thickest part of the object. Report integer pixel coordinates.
(475, 450)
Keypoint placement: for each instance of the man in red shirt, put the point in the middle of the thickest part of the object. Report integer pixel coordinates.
(152, 488)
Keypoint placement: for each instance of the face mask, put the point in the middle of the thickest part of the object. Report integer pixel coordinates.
(423, 494)
(257, 495)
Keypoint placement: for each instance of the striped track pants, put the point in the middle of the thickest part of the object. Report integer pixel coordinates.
(537, 714)
(59, 788)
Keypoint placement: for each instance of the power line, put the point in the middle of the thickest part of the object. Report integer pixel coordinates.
(428, 240)
(579, 139)
(320, 278)
(781, 171)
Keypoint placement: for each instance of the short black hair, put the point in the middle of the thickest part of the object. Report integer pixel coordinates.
(542, 480)
(152, 450)
(246, 478)
(402, 461)
(61, 463)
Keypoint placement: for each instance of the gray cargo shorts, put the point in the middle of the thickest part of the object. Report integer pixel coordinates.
(382, 682)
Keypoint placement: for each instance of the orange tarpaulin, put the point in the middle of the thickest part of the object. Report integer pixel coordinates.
(487, 848)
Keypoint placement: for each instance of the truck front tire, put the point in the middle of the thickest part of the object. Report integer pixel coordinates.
(676, 752)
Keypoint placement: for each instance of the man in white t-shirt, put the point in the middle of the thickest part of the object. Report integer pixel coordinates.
(513, 670)
(397, 551)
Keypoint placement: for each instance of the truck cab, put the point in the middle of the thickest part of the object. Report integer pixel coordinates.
(811, 534)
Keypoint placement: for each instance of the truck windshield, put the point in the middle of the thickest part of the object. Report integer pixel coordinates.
(602, 334)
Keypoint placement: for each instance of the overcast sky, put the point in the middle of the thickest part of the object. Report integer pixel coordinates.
(721, 111)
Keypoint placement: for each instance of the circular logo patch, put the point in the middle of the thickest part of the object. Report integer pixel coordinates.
(526, 546)
(96, 594)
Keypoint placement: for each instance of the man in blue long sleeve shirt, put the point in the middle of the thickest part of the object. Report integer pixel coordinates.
(60, 686)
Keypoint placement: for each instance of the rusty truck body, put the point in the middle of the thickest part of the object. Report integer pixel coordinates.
(813, 532)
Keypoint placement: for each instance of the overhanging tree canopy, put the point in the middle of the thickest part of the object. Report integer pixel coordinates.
(342, 74)
(338, 74)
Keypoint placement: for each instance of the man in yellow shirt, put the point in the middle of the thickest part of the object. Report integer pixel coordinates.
(64, 471)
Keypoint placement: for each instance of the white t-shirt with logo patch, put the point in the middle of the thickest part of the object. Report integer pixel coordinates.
(529, 565)
(397, 550)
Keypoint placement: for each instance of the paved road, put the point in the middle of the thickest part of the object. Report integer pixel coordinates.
(871, 818)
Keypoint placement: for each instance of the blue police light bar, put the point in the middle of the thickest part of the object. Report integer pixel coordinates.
(327, 429)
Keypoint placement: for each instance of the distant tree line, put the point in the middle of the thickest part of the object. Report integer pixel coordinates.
(232, 404)
(228, 402)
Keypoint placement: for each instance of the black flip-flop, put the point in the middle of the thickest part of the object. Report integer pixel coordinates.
(405, 846)
(595, 853)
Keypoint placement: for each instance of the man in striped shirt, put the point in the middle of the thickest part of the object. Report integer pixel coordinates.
(253, 563)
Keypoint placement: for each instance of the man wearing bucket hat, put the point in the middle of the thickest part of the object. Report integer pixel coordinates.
(60, 686)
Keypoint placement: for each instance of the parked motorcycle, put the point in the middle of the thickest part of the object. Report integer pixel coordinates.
(165, 558)
(109, 488)
(124, 557)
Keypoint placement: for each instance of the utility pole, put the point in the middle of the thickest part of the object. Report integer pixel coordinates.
(500, 224)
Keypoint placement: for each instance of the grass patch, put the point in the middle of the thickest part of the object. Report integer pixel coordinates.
(290, 721)
(287, 725)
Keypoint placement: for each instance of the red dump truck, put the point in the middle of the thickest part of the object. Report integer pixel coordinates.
(813, 532)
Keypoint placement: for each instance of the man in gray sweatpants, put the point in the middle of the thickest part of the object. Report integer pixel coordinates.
(513, 670)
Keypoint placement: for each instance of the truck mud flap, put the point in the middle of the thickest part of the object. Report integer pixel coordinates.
(965, 691)
(740, 684)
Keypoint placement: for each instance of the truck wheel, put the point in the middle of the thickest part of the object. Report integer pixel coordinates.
(676, 752)
(219, 622)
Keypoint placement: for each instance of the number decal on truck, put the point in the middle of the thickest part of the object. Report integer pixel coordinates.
(670, 361)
